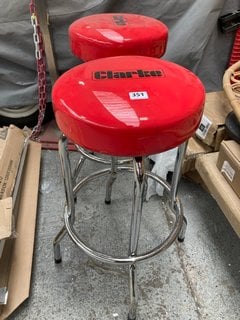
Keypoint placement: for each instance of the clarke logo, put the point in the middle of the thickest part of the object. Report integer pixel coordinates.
(134, 74)
(119, 20)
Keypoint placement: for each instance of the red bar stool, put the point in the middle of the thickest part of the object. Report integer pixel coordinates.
(128, 106)
(115, 34)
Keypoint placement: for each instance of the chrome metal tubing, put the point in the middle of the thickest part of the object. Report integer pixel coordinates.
(138, 195)
(139, 188)
(175, 184)
(177, 171)
(93, 157)
(73, 185)
(182, 233)
(56, 244)
(78, 168)
(110, 181)
(132, 259)
(67, 177)
(132, 291)
(68, 187)
(90, 177)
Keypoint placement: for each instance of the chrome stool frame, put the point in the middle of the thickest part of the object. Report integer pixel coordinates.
(72, 187)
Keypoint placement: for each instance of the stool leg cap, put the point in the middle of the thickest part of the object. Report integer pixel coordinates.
(180, 239)
(107, 201)
(58, 260)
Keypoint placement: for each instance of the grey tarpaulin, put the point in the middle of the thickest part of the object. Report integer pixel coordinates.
(194, 39)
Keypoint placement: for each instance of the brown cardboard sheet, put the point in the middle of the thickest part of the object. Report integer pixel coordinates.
(229, 163)
(19, 272)
(11, 145)
(219, 188)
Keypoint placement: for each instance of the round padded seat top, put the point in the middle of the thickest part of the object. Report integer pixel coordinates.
(128, 105)
(115, 34)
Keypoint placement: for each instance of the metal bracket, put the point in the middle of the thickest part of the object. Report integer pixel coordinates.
(230, 22)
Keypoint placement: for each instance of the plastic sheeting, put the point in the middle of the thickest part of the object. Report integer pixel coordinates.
(195, 40)
(163, 163)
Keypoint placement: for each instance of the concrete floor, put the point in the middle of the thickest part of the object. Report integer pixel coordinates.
(197, 279)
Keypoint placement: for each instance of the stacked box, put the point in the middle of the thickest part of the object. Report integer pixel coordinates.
(229, 163)
(211, 130)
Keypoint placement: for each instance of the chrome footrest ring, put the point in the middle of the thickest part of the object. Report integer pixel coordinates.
(176, 229)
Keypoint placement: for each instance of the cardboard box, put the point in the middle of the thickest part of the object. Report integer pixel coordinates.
(212, 126)
(11, 146)
(219, 188)
(195, 148)
(19, 249)
(5, 221)
(229, 163)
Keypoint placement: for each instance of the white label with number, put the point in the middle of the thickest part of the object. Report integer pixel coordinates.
(138, 95)
(228, 170)
(203, 128)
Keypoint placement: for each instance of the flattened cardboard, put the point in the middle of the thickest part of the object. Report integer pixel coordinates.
(5, 217)
(11, 144)
(220, 189)
(212, 127)
(10, 160)
(229, 163)
(22, 253)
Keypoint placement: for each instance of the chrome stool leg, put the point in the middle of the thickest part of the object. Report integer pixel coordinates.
(78, 168)
(56, 245)
(175, 183)
(138, 195)
(181, 235)
(140, 181)
(114, 162)
(76, 172)
(68, 187)
(132, 291)
(111, 179)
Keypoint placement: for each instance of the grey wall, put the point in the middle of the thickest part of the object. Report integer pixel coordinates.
(195, 40)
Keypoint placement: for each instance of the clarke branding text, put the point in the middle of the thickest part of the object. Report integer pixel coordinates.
(135, 74)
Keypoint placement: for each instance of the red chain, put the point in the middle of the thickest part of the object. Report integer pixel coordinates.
(41, 69)
(235, 54)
